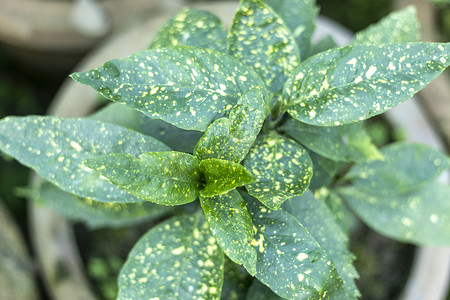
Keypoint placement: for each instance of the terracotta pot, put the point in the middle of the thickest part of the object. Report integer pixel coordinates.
(430, 274)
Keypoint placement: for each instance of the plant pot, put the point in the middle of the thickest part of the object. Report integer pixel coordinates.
(75, 100)
(52, 35)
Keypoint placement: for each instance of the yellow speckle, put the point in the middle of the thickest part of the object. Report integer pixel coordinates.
(178, 251)
(302, 256)
(434, 218)
(371, 71)
(76, 146)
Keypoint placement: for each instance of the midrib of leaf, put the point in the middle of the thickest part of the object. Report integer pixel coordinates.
(367, 81)
(157, 176)
(286, 258)
(274, 152)
(222, 92)
(179, 278)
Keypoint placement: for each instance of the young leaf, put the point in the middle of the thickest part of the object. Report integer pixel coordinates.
(177, 259)
(192, 27)
(421, 217)
(222, 176)
(340, 143)
(184, 86)
(231, 138)
(166, 178)
(290, 261)
(399, 26)
(319, 221)
(405, 167)
(299, 16)
(353, 83)
(56, 148)
(282, 169)
(177, 139)
(232, 227)
(97, 214)
(259, 38)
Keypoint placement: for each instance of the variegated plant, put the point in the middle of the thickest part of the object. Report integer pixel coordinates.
(257, 128)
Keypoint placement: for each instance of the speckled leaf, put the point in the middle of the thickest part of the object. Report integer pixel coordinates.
(192, 27)
(97, 214)
(420, 217)
(167, 178)
(282, 169)
(290, 261)
(177, 259)
(235, 282)
(232, 227)
(315, 216)
(354, 83)
(222, 176)
(340, 143)
(231, 138)
(177, 139)
(184, 86)
(300, 18)
(399, 26)
(405, 167)
(259, 38)
(56, 148)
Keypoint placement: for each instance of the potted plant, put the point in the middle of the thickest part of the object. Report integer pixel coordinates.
(280, 147)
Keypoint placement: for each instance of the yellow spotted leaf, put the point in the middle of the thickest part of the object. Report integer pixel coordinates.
(282, 168)
(56, 149)
(167, 178)
(185, 86)
(177, 259)
(350, 84)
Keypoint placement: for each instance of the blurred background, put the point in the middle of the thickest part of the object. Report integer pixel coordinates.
(40, 43)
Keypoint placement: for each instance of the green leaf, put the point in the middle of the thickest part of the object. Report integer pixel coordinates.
(324, 170)
(56, 149)
(231, 138)
(397, 27)
(259, 38)
(405, 167)
(260, 291)
(184, 86)
(354, 83)
(192, 27)
(177, 259)
(290, 261)
(232, 227)
(236, 282)
(420, 217)
(97, 214)
(300, 18)
(174, 137)
(340, 143)
(319, 221)
(166, 178)
(222, 176)
(281, 167)
(341, 213)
